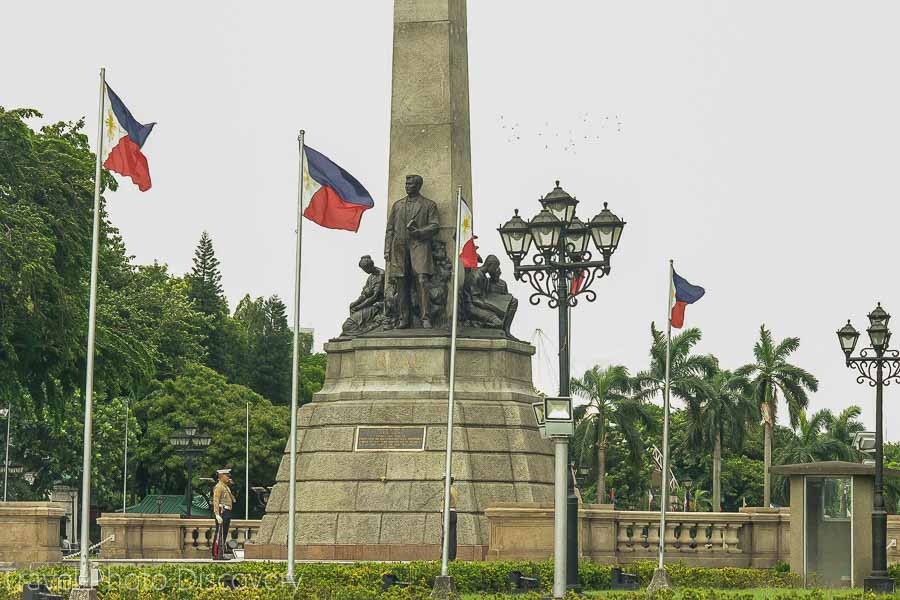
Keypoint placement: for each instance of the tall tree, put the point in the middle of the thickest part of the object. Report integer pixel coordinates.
(205, 279)
(725, 408)
(608, 410)
(205, 291)
(769, 375)
(268, 347)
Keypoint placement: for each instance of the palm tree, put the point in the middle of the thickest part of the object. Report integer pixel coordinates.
(608, 408)
(687, 371)
(725, 408)
(842, 428)
(771, 374)
(810, 442)
(701, 501)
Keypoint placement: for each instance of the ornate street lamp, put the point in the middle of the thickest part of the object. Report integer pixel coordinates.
(561, 204)
(878, 366)
(190, 443)
(562, 270)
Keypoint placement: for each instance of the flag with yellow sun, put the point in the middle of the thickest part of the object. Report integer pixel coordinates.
(123, 138)
(468, 252)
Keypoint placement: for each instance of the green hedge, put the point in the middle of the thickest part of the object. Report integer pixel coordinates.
(262, 581)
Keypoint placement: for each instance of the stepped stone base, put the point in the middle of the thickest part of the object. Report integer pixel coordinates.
(386, 504)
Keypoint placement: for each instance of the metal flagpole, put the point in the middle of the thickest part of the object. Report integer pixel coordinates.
(445, 551)
(664, 501)
(125, 468)
(6, 461)
(247, 468)
(84, 577)
(295, 374)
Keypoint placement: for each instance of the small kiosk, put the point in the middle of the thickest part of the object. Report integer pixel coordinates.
(831, 521)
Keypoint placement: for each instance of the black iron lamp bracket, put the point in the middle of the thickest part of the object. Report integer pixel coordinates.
(867, 364)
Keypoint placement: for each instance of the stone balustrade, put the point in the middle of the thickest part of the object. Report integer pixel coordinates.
(200, 536)
(165, 536)
(753, 537)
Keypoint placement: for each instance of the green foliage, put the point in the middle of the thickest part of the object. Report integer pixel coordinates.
(46, 206)
(205, 398)
(48, 447)
(810, 443)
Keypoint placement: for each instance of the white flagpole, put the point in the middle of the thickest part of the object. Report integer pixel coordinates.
(664, 501)
(125, 468)
(445, 551)
(295, 375)
(84, 576)
(247, 468)
(6, 460)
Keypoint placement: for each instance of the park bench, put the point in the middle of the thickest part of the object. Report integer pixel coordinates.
(521, 584)
(623, 581)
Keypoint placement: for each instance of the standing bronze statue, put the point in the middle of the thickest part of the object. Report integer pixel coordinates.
(411, 225)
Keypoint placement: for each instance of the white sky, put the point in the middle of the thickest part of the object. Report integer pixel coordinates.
(753, 142)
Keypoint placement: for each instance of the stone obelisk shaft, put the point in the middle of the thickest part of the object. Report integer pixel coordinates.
(430, 105)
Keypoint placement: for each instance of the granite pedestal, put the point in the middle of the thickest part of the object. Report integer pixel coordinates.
(385, 504)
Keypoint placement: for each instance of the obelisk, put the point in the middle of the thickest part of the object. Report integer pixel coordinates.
(430, 105)
(371, 444)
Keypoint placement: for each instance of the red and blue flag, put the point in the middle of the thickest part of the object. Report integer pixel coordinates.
(684, 293)
(332, 197)
(123, 138)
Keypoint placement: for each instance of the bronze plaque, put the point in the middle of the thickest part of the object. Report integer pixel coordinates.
(390, 439)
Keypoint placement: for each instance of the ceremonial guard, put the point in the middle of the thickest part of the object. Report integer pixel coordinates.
(223, 502)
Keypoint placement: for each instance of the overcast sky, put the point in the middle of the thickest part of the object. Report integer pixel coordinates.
(753, 142)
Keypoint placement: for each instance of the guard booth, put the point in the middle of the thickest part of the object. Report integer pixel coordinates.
(831, 521)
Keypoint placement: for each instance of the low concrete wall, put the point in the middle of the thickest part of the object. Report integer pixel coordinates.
(165, 536)
(754, 537)
(30, 532)
(385, 552)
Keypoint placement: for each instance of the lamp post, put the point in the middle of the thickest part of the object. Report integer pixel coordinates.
(561, 271)
(189, 443)
(878, 366)
(687, 493)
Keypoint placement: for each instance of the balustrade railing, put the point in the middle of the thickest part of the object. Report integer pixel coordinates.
(201, 536)
(686, 533)
(756, 537)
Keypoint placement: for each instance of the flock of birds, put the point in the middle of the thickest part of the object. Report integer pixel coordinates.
(587, 130)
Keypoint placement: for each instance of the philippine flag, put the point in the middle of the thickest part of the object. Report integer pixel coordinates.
(578, 279)
(684, 293)
(469, 252)
(332, 197)
(123, 138)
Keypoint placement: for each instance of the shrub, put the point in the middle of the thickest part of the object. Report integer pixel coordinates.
(263, 581)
